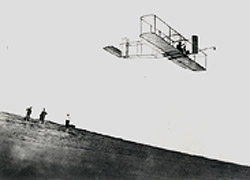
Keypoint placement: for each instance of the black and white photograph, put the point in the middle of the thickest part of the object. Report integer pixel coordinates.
(124, 90)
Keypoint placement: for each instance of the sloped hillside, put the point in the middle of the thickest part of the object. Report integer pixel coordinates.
(30, 150)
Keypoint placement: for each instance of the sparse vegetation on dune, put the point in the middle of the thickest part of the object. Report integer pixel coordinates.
(31, 150)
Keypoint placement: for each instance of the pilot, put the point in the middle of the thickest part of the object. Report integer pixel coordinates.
(179, 46)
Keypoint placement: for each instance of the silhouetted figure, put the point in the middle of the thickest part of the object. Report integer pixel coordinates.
(179, 46)
(42, 115)
(28, 113)
(185, 51)
(67, 121)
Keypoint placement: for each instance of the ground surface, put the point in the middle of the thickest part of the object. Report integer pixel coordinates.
(30, 150)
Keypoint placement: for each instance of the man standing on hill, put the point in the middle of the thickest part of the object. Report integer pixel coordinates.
(28, 113)
(67, 121)
(42, 115)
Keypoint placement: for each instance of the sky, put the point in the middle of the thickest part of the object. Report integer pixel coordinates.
(51, 56)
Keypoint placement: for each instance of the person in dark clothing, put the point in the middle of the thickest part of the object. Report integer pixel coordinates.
(179, 46)
(28, 113)
(67, 121)
(42, 116)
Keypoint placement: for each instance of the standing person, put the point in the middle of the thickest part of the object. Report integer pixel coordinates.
(28, 113)
(42, 115)
(67, 121)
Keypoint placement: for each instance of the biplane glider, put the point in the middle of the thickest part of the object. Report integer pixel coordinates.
(159, 40)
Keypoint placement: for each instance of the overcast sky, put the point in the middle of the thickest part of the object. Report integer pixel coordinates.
(51, 56)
